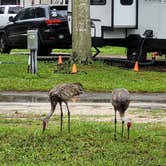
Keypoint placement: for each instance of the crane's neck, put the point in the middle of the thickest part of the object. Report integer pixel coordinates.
(124, 119)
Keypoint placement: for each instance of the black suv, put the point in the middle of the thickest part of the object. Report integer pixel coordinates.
(52, 25)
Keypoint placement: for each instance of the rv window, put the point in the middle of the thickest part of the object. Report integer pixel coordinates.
(126, 2)
(2, 10)
(98, 2)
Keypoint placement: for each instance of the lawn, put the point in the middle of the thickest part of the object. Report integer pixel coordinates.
(90, 143)
(95, 77)
(107, 50)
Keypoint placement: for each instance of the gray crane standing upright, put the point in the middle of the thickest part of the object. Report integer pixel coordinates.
(120, 102)
(59, 94)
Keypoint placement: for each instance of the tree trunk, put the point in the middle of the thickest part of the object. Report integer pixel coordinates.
(81, 32)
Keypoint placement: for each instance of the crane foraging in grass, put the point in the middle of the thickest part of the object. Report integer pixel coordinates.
(59, 94)
(120, 102)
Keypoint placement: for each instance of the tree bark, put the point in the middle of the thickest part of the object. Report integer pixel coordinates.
(81, 32)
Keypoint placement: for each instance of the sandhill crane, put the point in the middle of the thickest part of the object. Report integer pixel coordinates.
(59, 94)
(120, 102)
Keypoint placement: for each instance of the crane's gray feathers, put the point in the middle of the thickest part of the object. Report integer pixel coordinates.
(120, 100)
(65, 91)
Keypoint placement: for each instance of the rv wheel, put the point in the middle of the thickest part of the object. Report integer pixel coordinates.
(132, 55)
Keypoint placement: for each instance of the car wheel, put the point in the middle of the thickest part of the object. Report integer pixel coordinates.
(4, 48)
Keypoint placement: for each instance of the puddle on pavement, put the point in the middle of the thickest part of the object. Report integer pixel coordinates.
(86, 97)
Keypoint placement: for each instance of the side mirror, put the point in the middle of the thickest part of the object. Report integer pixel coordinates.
(11, 19)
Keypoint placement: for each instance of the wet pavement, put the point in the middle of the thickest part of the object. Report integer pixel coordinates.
(138, 100)
(29, 104)
(86, 97)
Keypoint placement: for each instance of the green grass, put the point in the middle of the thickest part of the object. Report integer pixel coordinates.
(99, 77)
(103, 50)
(112, 50)
(90, 143)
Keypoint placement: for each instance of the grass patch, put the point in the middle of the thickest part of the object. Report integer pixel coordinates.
(103, 50)
(99, 77)
(89, 143)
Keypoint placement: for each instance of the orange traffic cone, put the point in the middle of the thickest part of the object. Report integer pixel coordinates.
(60, 60)
(74, 69)
(136, 66)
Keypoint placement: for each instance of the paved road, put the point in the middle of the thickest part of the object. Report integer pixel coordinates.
(28, 104)
(86, 97)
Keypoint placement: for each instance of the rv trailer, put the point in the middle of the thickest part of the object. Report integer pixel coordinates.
(138, 25)
(27, 3)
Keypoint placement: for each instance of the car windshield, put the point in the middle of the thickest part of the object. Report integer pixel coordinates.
(14, 10)
(58, 11)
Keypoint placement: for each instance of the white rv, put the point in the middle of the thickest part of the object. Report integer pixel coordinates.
(138, 25)
(27, 3)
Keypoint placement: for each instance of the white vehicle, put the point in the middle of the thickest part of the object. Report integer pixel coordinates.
(138, 25)
(6, 11)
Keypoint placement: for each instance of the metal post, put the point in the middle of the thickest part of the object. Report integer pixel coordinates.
(33, 46)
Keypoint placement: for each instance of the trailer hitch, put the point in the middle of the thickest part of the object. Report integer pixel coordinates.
(97, 52)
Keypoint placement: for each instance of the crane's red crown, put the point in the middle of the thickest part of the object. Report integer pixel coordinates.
(128, 124)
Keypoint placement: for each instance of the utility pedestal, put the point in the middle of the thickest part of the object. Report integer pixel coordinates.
(32, 40)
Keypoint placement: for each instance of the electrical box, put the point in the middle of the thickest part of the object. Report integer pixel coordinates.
(32, 39)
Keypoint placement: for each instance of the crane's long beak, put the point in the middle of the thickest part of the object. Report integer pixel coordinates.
(44, 125)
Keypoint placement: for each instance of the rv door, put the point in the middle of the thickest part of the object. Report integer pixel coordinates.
(125, 13)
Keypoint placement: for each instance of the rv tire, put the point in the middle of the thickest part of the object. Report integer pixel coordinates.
(133, 55)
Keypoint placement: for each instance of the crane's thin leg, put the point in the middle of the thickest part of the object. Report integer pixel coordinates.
(60, 103)
(46, 119)
(115, 126)
(128, 132)
(122, 127)
(68, 116)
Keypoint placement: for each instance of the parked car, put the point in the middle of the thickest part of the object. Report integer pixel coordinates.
(49, 20)
(6, 11)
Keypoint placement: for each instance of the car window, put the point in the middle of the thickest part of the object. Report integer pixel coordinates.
(29, 14)
(25, 14)
(39, 12)
(2, 10)
(20, 15)
(58, 12)
(14, 10)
